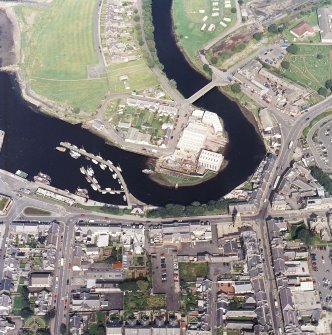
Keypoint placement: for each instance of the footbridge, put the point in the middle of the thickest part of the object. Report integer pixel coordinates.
(218, 79)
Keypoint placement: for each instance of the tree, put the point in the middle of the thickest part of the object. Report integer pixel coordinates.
(328, 84)
(233, 10)
(143, 285)
(293, 49)
(322, 91)
(26, 312)
(273, 28)
(285, 64)
(320, 56)
(240, 2)
(258, 36)
(63, 329)
(136, 18)
(207, 69)
(236, 88)
(214, 60)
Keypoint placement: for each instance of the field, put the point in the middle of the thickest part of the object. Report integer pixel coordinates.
(58, 45)
(190, 271)
(3, 202)
(311, 66)
(188, 22)
(35, 211)
(139, 76)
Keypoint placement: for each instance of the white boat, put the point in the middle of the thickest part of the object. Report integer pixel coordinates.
(147, 171)
(2, 136)
(82, 149)
(94, 161)
(124, 198)
(121, 187)
(94, 187)
(82, 169)
(119, 168)
(102, 166)
(108, 189)
(74, 154)
(112, 192)
(94, 180)
(109, 162)
(103, 192)
(110, 169)
(114, 175)
(99, 157)
(90, 171)
(119, 181)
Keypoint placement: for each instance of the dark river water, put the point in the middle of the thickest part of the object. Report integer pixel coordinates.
(31, 137)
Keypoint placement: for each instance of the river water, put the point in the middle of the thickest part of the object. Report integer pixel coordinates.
(31, 137)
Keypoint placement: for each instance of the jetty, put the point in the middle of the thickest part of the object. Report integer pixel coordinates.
(130, 199)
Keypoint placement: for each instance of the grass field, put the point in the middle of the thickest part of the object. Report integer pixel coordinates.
(190, 271)
(139, 76)
(307, 69)
(188, 22)
(35, 211)
(58, 45)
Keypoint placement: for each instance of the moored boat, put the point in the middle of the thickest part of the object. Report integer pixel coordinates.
(61, 149)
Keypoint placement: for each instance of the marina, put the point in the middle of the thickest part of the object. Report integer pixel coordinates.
(75, 152)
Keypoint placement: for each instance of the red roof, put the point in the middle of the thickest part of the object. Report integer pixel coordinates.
(302, 28)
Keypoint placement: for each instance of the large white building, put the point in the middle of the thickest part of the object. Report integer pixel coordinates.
(212, 119)
(210, 160)
(325, 24)
(193, 138)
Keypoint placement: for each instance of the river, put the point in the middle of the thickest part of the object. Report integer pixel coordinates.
(31, 137)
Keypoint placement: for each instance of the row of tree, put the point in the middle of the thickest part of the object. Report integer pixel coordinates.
(194, 209)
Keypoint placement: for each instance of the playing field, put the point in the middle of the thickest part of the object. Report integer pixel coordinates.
(311, 67)
(191, 16)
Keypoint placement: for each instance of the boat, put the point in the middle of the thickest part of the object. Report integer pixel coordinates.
(74, 154)
(82, 169)
(124, 198)
(147, 171)
(114, 175)
(94, 187)
(87, 158)
(94, 161)
(119, 181)
(108, 189)
(82, 149)
(103, 192)
(121, 187)
(119, 168)
(112, 192)
(90, 171)
(88, 179)
(110, 169)
(41, 180)
(99, 157)
(82, 192)
(109, 162)
(44, 175)
(61, 149)
(102, 166)
(94, 180)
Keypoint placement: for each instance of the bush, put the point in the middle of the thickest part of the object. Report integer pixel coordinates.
(240, 2)
(26, 312)
(63, 329)
(233, 10)
(285, 64)
(207, 69)
(322, 91)
(293, 49)
(258, 36)
(328, 84)
(320, 56)
(214, 60)
(273, 28)
(236, 88)
(323, 178)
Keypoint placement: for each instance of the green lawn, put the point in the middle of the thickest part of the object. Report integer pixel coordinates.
(58, 45)
(35, 211)
(3, 202)
(190, 271)
(308, 70)
(188, 22)
(315, 120)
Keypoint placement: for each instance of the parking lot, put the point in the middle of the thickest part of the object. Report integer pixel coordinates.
(165, 277)
(322, 273)
(324, 139)
(273, 56)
